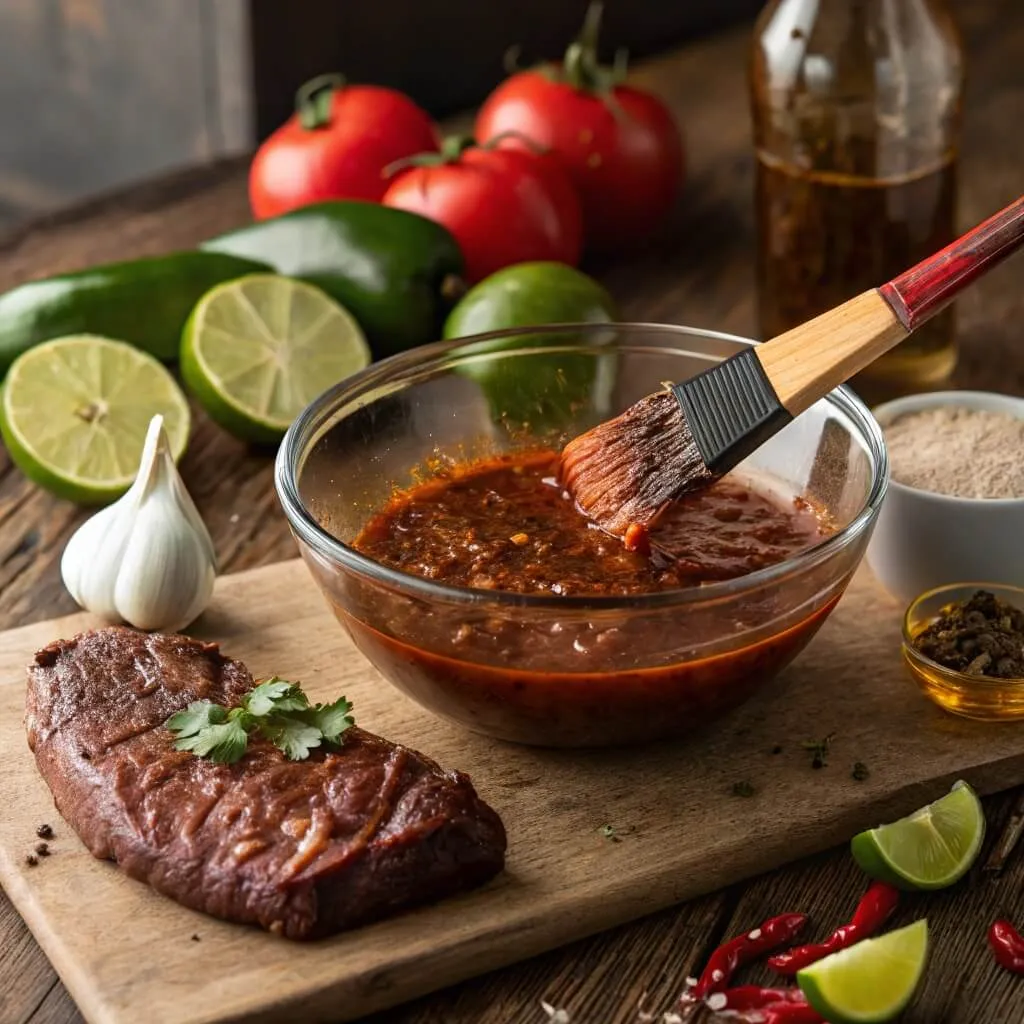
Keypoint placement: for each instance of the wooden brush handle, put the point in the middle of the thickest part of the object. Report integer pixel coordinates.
(807, 362)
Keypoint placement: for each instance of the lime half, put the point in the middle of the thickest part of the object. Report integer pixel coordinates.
(257, 350)
(929, 849)
(872, 980)
(74, 414)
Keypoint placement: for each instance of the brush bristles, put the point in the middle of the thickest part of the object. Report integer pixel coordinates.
(626, 470)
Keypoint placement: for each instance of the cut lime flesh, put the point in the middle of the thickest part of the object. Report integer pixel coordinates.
(257, 350)
(74, 414)
(871, 981)
(929, 849)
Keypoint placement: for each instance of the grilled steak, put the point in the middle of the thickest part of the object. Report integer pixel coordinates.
(303, 848)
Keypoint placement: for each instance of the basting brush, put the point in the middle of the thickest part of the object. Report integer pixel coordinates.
(623, 472)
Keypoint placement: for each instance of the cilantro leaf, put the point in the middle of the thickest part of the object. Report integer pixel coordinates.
(224, 743)
(199, 715)
(279, 710)
(292, 736)
(332, 719)
(275, 695)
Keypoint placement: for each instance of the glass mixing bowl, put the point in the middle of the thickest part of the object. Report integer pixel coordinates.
(667, 662)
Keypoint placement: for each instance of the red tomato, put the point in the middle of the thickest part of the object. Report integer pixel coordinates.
(504, 205)
(336, 146)
(620, 145)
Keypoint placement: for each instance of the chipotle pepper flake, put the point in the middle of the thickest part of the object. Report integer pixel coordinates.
(872, 911)
(31, 860)
(43, 849)
(44, 831)
(723, 963)
(637, 539)
(1007, 946)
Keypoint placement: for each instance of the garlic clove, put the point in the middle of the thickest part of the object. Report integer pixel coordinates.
(89, 563)
(165, 577)
(148, 559)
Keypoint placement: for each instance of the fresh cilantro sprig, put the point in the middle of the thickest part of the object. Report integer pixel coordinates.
(277, 709)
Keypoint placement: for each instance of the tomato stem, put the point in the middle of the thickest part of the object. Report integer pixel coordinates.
(314, 100)
(580, 64)
(451, 149)
(534, 147)
(581, 67)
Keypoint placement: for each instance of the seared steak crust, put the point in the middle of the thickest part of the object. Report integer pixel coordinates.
(301, 848)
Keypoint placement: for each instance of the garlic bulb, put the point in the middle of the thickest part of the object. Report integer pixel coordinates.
(147, 559)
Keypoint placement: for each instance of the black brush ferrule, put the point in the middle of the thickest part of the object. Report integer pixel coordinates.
(731, 410)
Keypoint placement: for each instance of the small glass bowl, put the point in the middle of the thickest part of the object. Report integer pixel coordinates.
(983, 698)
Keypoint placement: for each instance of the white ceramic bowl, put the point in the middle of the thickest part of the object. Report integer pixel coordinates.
(925, 540)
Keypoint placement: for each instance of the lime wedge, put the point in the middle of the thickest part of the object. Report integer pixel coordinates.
(74, 414)
(257, 350)
(872, 980)
(929, 849)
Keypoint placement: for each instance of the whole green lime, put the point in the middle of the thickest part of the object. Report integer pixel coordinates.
(547, 382)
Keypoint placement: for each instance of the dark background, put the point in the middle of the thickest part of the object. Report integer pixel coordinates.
(448, 54)
(96, 94)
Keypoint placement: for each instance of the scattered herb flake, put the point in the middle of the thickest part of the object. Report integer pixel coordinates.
(743, 788)
(860, 771)
(195, 938)
(44, 831)
(614, 834)
(277, 709)
(43, 849)
(31, 860)
(777, 749)
(818, 750)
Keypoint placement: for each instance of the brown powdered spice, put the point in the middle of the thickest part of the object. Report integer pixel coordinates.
(966, 453)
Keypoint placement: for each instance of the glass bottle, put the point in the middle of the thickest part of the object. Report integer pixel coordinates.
(856, 110)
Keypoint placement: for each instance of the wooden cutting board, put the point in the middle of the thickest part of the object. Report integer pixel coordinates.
(127, 954)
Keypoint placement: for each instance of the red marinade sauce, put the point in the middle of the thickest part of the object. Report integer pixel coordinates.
(506, 524)
(579, 678)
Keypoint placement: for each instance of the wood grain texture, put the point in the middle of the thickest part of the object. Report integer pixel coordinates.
(680, 830)
(700, 273)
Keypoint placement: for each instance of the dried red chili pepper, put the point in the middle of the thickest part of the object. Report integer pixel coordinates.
(752, 997)
(791, 1013)
(1007, 945)
(872, 911)
(722, 964)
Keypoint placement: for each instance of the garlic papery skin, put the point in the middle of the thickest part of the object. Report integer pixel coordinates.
(147, 559)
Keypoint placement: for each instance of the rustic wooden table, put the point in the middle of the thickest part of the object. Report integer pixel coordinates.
(699, 275)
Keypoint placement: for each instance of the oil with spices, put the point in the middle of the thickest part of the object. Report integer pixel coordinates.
(856, 109)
